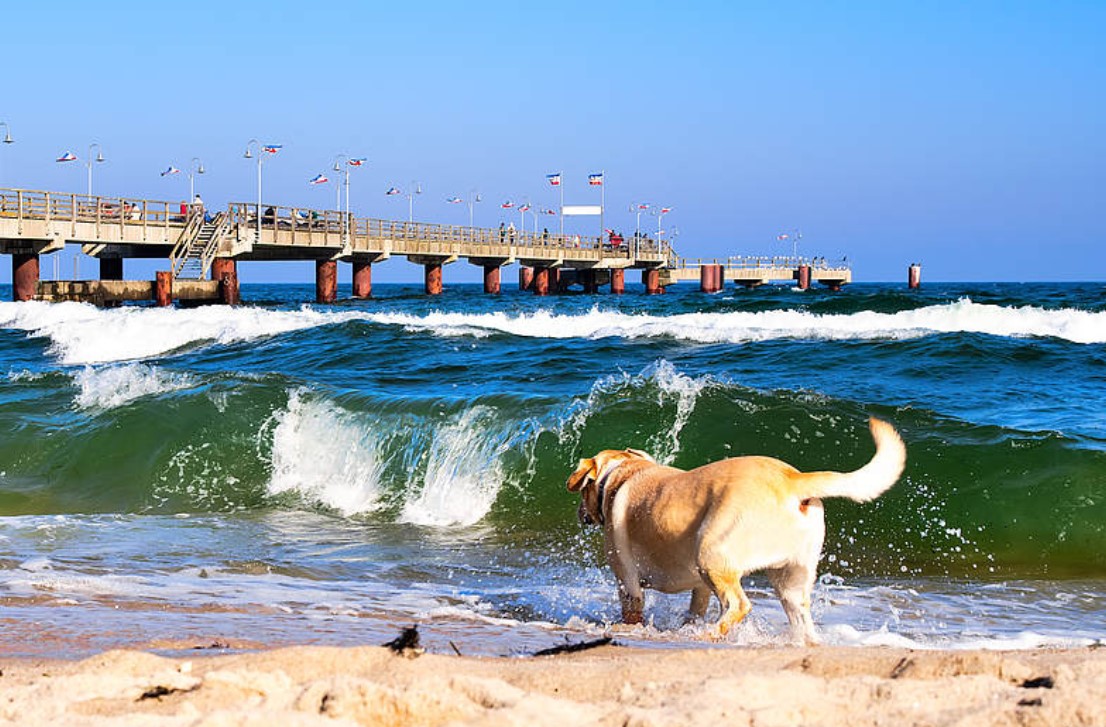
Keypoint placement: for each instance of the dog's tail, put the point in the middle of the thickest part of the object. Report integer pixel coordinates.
(866, 483)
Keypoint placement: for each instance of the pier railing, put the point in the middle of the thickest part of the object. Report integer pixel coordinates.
(106, 220)
(756, 262)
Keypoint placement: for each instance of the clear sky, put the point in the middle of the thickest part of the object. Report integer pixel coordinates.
(968, 136)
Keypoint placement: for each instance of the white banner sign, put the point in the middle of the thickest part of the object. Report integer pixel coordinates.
(581, 209)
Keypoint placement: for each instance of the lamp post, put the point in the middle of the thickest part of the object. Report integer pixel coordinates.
(638, 208)
(660, 213)
(7, 132)
(260, 160)
(194, 167)
(89, 161)
(413, 190)
(474, 198)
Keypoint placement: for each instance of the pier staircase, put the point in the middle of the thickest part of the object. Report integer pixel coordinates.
(195, 250)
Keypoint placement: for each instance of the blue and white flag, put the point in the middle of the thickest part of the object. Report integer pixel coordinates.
(391, 191)
(67, 157)
(596, 180)
(318, 179)
(554, 179)
(272, 148)
(455, 200)
(360, 161)
(170, 171)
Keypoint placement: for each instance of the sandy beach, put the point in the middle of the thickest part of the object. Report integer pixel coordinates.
(610, 685)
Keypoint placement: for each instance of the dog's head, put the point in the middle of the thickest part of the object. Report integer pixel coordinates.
(594, 475)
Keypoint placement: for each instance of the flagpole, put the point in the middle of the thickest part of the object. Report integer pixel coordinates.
(562, 210)
(602, 203)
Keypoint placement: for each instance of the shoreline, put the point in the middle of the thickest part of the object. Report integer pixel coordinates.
(608, 685)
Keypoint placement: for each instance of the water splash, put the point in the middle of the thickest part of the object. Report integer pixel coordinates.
(112, 386)
(326, 455)
(464, 471)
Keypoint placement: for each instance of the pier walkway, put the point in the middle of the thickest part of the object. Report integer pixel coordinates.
(203, 248)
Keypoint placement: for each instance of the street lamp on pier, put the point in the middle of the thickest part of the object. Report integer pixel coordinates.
(99, 159)
(7, 132)
(194, 167)
(413, 190)
(261, 151)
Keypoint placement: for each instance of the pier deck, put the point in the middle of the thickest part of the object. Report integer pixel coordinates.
(199, 245)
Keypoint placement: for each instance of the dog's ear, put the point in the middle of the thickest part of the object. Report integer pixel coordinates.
(583, 470)
(643, 455)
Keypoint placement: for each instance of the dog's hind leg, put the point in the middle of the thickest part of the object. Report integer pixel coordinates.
(793, 585)
(735, 604)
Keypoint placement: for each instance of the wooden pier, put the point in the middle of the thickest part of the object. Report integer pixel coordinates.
(204, 246)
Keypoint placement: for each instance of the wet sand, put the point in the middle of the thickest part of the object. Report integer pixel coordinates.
(610, 685)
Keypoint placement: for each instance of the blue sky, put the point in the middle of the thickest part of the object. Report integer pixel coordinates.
(964, 135)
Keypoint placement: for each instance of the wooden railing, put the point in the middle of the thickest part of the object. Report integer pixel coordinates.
(311, 227)
(755, 262)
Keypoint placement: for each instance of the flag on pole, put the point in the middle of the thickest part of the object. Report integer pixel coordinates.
(455, 200)
(507, 205)
(391, 191)
(783, 236)
(67, 157)
(357, 162)
(524, 208)
(665, 210)
(595, 180)
(170, 171)
(318, 179)
(272, 148)
(554, 179)
(643, 206)
(549, 212)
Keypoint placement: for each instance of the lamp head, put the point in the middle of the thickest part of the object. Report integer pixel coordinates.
(248, 154)
(99, 156)
(7, 137)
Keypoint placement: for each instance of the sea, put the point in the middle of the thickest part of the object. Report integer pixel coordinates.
(282, 472)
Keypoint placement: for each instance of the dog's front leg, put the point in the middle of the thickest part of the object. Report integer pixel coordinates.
(633, 602)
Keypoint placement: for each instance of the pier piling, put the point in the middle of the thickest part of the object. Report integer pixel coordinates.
(618, 281)
(111, 268)
(163, 288)
(914, 276)
(24, 276)
(491, 279)
(803, 277)
(224, 270)
(541, 281)
(651, 279)
(525, 278)
(326, 281)
(362, 279)
(433, 277)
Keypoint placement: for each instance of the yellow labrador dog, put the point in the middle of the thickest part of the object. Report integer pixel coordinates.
(702, 530)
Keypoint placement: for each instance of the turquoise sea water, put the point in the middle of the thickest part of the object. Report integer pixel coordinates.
(290, 473)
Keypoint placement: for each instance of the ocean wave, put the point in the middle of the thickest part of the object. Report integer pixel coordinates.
(112, 386)
(82, 334)
(962, 316)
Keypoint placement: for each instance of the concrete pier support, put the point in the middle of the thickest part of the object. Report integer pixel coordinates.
(433, 278)
(111, 268)
(163, 288)
(803, 276)
(362, 279)
(651, 279)
(24, 276)
(541, 281)
(710, 278)
(914, 276)
(618, 281)
(326, 281)
(525, 278)
(491, 279)
(587, 280)
(224, 270)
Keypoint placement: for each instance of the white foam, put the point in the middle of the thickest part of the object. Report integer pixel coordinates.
(463, 472)
(963, 316)
(327, 455)
(83, 334)
(112, 386)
